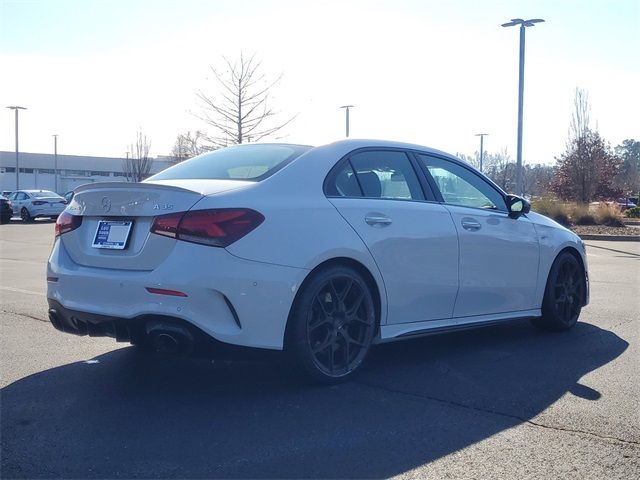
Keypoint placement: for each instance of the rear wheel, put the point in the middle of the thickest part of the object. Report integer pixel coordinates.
(564, 295)
(25, 215)
(332, 325)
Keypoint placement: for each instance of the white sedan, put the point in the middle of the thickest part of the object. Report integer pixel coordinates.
(320, 252)
(32, 204)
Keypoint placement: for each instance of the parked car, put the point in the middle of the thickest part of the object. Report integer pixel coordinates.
(624, 204)
(6, 211)
(32, 204)
(319, 252)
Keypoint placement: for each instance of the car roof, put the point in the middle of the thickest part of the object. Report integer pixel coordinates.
(354, 143)
(35, 190)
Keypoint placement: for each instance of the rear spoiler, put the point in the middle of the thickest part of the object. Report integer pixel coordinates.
(126, 185)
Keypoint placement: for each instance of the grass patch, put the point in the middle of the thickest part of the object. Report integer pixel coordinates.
(581, 215)
(568, 214)
(552, 208)
(609, 215)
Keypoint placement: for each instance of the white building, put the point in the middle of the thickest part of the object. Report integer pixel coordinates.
(37, 170)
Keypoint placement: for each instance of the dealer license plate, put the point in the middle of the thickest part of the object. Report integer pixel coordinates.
(112, 234)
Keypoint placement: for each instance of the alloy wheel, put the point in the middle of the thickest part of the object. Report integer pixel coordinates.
(340, 325)
(568, 292)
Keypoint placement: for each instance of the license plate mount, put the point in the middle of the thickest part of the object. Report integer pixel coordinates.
(112, 234)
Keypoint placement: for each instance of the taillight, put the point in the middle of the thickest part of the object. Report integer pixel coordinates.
(38, 202)
(67, 222)
(217, 228)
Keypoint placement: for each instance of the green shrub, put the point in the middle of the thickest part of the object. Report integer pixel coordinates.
(632, 212)
(609, 215)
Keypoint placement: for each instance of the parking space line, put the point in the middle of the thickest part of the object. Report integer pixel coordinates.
(20, 290)
(613, 250)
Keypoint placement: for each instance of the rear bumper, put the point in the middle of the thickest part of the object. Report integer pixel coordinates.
(94, 325)
(135, 331)
(232, 300)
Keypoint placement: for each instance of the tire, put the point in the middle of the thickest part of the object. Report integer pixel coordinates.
(5, 219)
(564, 295)
(331, 325)
(25, 215)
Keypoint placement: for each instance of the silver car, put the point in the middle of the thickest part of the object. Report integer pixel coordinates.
(32, 204)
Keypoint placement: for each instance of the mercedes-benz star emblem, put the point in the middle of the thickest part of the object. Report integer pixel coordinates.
(106, 204)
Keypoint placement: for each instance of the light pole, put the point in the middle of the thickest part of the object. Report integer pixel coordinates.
(55, 161)
(347, 107)
(481, 135)
(523, 24)
(15, 108)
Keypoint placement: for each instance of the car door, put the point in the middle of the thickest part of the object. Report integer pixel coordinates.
(410, 236)
(18, 200)
(498, 254)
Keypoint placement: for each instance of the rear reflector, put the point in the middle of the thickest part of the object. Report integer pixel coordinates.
(66, 223)
(217, 227)
(162, 291)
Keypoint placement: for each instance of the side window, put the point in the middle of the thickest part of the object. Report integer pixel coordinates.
(386, 174)
(460, 186)
(344, 183)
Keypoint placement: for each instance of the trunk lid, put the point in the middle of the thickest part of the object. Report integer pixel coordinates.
(138, 203)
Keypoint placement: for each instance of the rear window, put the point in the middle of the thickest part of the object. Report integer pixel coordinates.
(241, 162)
(44, 193)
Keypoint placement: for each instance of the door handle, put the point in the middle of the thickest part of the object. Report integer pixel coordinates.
(470, 224)
(378, 220)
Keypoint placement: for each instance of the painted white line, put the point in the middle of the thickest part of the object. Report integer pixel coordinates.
(20, 290)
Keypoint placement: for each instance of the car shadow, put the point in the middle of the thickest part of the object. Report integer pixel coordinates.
(125, 414)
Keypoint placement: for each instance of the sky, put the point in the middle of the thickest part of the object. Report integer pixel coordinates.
(431, 72)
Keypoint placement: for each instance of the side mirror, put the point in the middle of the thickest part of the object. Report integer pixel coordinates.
(517, 206)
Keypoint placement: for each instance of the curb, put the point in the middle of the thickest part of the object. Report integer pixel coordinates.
(611, 238)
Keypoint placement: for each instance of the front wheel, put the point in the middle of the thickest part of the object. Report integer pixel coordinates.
(332, 325)
(564, 295)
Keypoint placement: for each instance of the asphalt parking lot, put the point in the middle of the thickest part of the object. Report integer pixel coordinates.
(501, 402)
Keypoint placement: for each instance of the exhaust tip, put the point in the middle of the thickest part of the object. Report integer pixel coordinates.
(55, 321)
(169, 338)
(166, 343)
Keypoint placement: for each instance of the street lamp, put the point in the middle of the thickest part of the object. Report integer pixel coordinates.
(55, 161)
(481, 135)
(347, 107)
(15, 108)
(523, 24)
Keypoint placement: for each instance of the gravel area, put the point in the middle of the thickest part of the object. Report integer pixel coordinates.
(602, 230)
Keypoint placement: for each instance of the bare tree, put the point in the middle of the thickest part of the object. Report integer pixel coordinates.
(189, 145)
(240, 111)
(581, 117)
(138, 165)
(501, 168)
